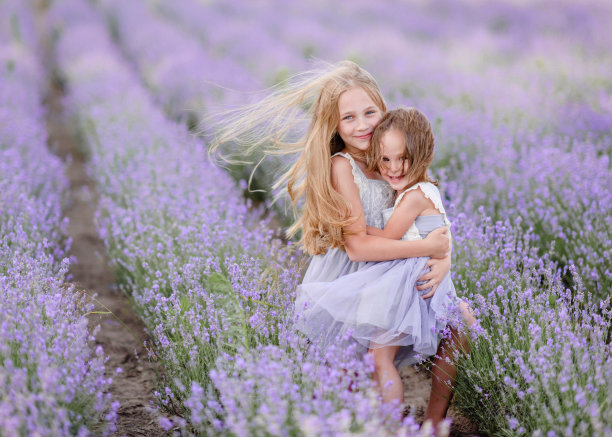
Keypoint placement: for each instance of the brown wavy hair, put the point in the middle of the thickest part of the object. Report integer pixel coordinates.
(321, 212)
(418, 138)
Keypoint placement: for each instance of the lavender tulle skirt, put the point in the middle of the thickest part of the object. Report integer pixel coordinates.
(374, 304)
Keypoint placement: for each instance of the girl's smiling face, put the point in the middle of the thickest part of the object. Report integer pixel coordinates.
(359, 115)
(394, 162)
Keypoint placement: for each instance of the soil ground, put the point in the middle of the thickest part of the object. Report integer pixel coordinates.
(122, 343)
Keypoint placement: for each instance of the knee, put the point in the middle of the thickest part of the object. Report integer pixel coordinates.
(468, 314)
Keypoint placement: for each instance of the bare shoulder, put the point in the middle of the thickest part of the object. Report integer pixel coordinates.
(340, 163)
(341, 168)
(415, 198)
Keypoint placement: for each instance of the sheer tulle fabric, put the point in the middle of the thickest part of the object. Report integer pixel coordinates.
(377, 304)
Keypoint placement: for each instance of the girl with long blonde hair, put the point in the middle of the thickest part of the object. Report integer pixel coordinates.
(334, 193)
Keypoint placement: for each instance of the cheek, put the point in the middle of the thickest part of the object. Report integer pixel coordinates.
(342, 130)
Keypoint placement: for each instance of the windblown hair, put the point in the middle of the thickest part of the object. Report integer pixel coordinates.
(268, 125)
(418, 138)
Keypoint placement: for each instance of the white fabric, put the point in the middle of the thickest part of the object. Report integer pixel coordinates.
(375, 194)
(431, 192)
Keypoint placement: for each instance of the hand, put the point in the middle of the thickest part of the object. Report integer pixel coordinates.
(440, 243)
(438, 268)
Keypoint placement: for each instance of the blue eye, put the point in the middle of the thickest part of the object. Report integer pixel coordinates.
(347, 117)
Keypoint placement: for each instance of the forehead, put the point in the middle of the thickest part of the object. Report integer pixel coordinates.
(393, 142)
(355, 99)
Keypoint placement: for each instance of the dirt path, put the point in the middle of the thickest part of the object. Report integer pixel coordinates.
(133, 386)
(122, 342)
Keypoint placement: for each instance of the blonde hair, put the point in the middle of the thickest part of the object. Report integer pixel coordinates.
(268, 125)
(418, 140)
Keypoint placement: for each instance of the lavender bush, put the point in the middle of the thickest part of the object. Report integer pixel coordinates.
(51, 382)
(188, 80)
(540, 355)
(282, 391)
(185, 77)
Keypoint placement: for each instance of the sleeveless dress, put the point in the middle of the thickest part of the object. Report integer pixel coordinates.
(378, 305)
(314, 319)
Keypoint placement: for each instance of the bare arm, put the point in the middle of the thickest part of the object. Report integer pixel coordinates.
(412, 205)
(362, 247)
(372, 230)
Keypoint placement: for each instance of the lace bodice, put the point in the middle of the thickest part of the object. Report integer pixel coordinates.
(432, 193)
(375, 194)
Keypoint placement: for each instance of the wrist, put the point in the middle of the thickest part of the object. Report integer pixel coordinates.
(428, 248)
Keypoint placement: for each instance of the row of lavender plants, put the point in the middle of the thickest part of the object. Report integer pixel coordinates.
(51, 381)
(540, 361)
(189, 80)
(526, 135)
(546, 168)
(207, 275)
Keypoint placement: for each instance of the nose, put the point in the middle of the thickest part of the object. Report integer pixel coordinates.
(396, 165)
(361, 124)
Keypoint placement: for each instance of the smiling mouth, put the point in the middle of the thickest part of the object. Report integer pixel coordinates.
(364, 137)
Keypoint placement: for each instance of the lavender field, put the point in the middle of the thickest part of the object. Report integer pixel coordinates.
(520, 97)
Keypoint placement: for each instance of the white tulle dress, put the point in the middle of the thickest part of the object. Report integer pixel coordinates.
(376, 304)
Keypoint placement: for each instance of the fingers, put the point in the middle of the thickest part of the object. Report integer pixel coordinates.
(438, 232)
(429, 283)
(429, 275)
(434, 263)
(431, 292)
(442, 231)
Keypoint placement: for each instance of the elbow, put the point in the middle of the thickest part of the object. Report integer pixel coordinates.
(353, 253)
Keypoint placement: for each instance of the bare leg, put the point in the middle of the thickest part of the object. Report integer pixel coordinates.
(444, 370)
(387, 376)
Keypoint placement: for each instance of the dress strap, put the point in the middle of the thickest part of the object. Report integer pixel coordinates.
(358, 175)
